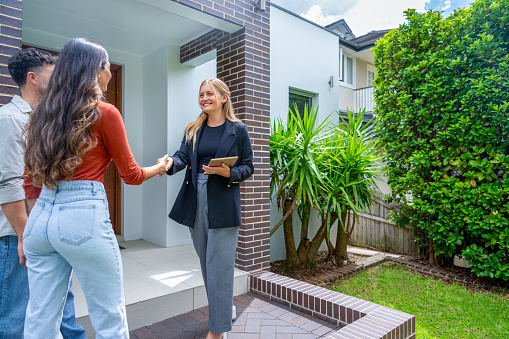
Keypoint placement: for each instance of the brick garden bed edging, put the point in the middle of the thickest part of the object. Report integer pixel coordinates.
(358, 318)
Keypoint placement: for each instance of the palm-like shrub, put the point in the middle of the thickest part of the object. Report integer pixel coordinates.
(349, 170)
(295, 179)
(323, 166)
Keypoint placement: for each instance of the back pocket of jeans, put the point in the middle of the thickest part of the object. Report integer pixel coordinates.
(76, 223)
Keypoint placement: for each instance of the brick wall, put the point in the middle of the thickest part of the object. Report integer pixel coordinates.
(10, 43)
(243, 64)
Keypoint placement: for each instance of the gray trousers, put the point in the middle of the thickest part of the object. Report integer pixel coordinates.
(216, 250)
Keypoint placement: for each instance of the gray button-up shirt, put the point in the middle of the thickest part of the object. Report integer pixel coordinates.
(13, 118)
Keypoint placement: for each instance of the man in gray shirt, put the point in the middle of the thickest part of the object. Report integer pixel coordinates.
(31, 69)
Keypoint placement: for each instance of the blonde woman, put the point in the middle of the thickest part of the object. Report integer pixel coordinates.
(209, 200)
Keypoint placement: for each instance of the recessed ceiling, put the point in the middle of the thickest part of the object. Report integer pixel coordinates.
(132, 26)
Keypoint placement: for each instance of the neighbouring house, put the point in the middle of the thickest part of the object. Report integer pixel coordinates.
(357, 71)
(357, 76)
(161, 50)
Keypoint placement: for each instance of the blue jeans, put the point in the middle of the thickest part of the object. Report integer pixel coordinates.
(14, 296)
(69, 228)
(69, 328)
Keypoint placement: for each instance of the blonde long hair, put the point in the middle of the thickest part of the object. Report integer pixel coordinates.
(220, 89)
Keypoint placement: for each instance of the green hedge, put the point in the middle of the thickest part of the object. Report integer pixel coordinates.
(442, 96)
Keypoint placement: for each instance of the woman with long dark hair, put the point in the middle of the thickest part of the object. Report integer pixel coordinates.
(209, 200)
(72, 138)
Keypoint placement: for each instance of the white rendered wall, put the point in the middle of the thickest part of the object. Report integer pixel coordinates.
(302, 56)
(170, 101)
(155, 108)
(361, 73)
(183, 87)
(132, 113)
(345, 98)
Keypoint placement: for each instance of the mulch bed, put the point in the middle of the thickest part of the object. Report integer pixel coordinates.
(323, 265)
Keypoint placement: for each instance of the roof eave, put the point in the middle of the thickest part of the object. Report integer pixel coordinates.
(357, 47)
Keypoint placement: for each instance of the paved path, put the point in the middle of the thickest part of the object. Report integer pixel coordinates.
(257, 318)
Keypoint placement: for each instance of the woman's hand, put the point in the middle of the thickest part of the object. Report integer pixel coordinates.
(223, 170)
(159, 168)
(162, 163)
(21, 253)
(169, 164)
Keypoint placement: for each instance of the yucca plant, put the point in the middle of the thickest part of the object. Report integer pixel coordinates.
(349, 173)
(323, 166)
(295, 178)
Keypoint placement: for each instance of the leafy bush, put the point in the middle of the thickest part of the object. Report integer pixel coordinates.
(442, 94)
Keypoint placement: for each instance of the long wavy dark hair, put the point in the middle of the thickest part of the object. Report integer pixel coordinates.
(60, 130)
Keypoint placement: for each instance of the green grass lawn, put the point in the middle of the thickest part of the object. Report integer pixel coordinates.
(441, 309)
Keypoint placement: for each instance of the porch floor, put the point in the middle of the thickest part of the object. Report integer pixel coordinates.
(159, 283)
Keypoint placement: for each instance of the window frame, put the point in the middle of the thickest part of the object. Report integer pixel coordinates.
(372, 69)
(312, 97)
(342, 76)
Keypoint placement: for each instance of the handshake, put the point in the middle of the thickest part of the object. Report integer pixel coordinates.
(164, 164)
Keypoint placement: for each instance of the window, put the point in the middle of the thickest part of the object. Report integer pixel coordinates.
(371, 76)
(371, 79)
(300, 99)
(346, 69)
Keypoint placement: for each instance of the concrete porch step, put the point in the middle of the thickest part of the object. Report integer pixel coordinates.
(159, 283)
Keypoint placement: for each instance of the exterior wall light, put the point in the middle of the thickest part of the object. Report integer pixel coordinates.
(262, 5)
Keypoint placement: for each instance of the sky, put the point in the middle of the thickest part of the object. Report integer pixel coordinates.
(363, 16)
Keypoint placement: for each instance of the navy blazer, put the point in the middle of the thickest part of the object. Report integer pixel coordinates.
(223, 194)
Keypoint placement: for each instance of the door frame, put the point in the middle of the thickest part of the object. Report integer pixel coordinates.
(117, 228)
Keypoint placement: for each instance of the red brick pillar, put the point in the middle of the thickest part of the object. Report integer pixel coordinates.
(10, 43)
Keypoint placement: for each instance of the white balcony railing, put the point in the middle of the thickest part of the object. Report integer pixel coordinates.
(363, 99)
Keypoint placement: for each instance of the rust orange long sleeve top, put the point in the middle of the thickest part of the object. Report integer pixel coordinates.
(111, 144)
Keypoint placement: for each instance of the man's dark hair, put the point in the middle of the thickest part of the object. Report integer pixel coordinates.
(28, 60)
